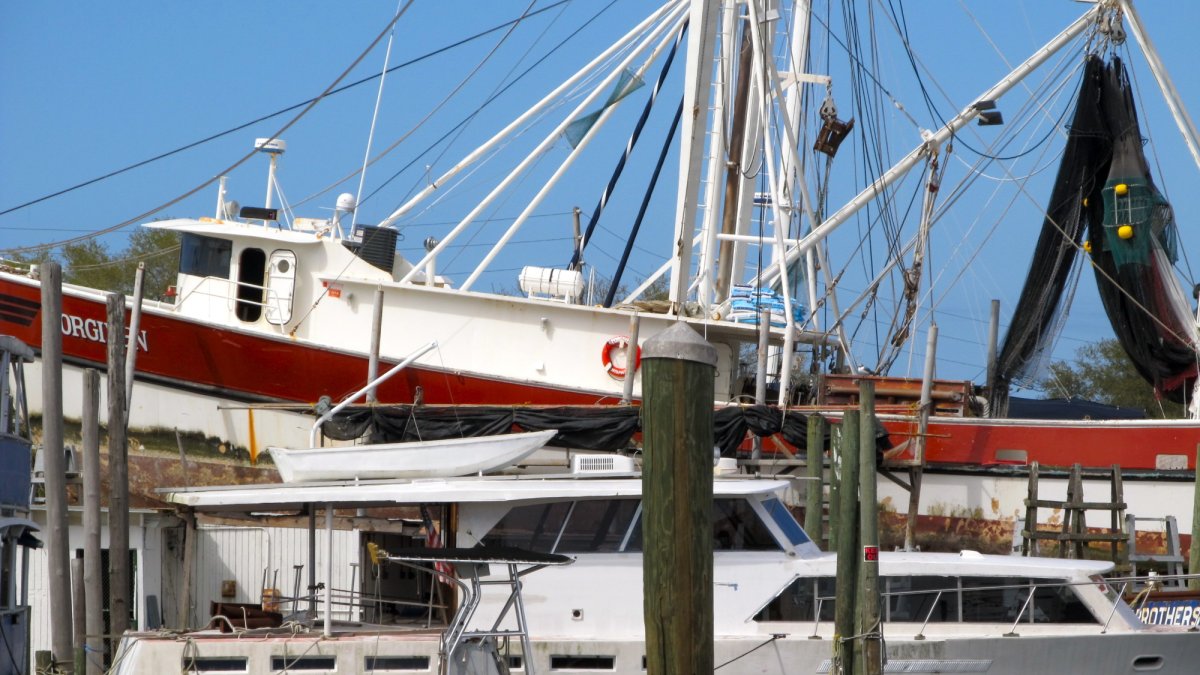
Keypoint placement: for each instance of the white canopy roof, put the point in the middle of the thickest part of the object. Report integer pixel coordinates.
(475, 489)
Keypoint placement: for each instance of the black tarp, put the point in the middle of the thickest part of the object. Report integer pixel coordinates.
(583, 428)
(1069, 409)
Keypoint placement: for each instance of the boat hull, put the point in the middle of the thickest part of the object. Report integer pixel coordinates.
(442, 458)
(796, 652)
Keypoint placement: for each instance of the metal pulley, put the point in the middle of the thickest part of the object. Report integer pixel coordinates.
(833, 131)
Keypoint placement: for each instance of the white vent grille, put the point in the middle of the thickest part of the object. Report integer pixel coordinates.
(601, 464)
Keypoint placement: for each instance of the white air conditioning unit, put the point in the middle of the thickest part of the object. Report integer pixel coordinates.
(584, 464)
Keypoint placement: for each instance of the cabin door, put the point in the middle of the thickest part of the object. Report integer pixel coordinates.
(281, 286)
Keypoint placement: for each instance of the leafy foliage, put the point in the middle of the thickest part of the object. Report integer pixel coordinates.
(1103, 372)
(90, 263)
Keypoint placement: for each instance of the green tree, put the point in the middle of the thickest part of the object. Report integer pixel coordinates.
(90, 263)
(1103, 372)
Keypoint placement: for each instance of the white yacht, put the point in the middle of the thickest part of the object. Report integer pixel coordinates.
(774, 592)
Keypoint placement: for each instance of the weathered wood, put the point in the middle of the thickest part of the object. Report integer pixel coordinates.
(847, 545)
(868, 614)
(55, 464)
(1029, 542)
(189, 557)
(118, 471)
(78, 618)
(836, 443)
(1194, 548)
(677, 391)
(93, 569)
(376, 332)
(135, 322)
(813, 507)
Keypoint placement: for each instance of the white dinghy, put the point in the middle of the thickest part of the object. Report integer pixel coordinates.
(444, 458)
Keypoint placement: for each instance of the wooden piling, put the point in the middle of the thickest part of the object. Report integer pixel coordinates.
(677, 394)
(93, 569)
(135, 322)
(189, 557)
(78, 616)
(867, 624)
(118, 471)
(847, 545)
(376, 333)
(55, 464)
(815, 461)
(1194, 548)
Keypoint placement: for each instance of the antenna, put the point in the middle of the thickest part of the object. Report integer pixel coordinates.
(273, 147)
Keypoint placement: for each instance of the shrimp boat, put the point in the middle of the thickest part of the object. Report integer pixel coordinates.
(582, 609)
(274, 309)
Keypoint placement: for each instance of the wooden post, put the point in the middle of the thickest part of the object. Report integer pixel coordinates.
(78, 618)
(189, 558)
(836, 441)
(135, 322)
(847, 546)
(93, 570)
(376, 332)
(993, 339)
(677, 412)
(916, 472)
(816, 468)
(868, 566)
(631, 363)
(55, 463)
(118, 471)
(1194, 548)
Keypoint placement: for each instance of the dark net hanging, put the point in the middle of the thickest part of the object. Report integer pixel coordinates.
(1074, 201)
(1104, 186)
(1134, 249)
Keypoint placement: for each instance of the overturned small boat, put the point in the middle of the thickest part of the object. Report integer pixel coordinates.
(421, 459)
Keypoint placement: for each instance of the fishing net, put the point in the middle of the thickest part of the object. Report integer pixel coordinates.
(1104, 186)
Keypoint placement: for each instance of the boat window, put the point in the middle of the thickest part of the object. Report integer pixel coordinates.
(202, 256)
(214, 664)
(736, 527)
(801, 600)
(290, 663)
(534, 527)
(597, 526)
(252, 270)
(786, 521)
(940, 599)
(399, 663)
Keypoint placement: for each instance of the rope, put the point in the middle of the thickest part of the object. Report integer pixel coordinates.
(774, 637)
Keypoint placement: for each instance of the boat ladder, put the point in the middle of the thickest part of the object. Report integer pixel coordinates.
(1073, 535)
(1172, 558)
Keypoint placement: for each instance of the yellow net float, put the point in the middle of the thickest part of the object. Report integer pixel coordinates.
(1125, 231)
(1121, 189)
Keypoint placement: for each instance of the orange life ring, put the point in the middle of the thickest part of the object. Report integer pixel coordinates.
(619, 342)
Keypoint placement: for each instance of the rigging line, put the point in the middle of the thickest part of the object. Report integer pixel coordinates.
(134, 258)
(1154, 152)
(637, 223)
(459, 129)
(576, 258)
(312, 104)
(302, 104)
(466, 120)
(878, 84)
(929, 101)
(362, 175)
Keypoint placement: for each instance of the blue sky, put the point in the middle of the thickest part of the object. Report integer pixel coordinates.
(89, 88)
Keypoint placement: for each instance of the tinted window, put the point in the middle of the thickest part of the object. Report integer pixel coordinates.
(597, 526)
(737, 527)
(800, 600)
(205, 256)
(534, 527)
